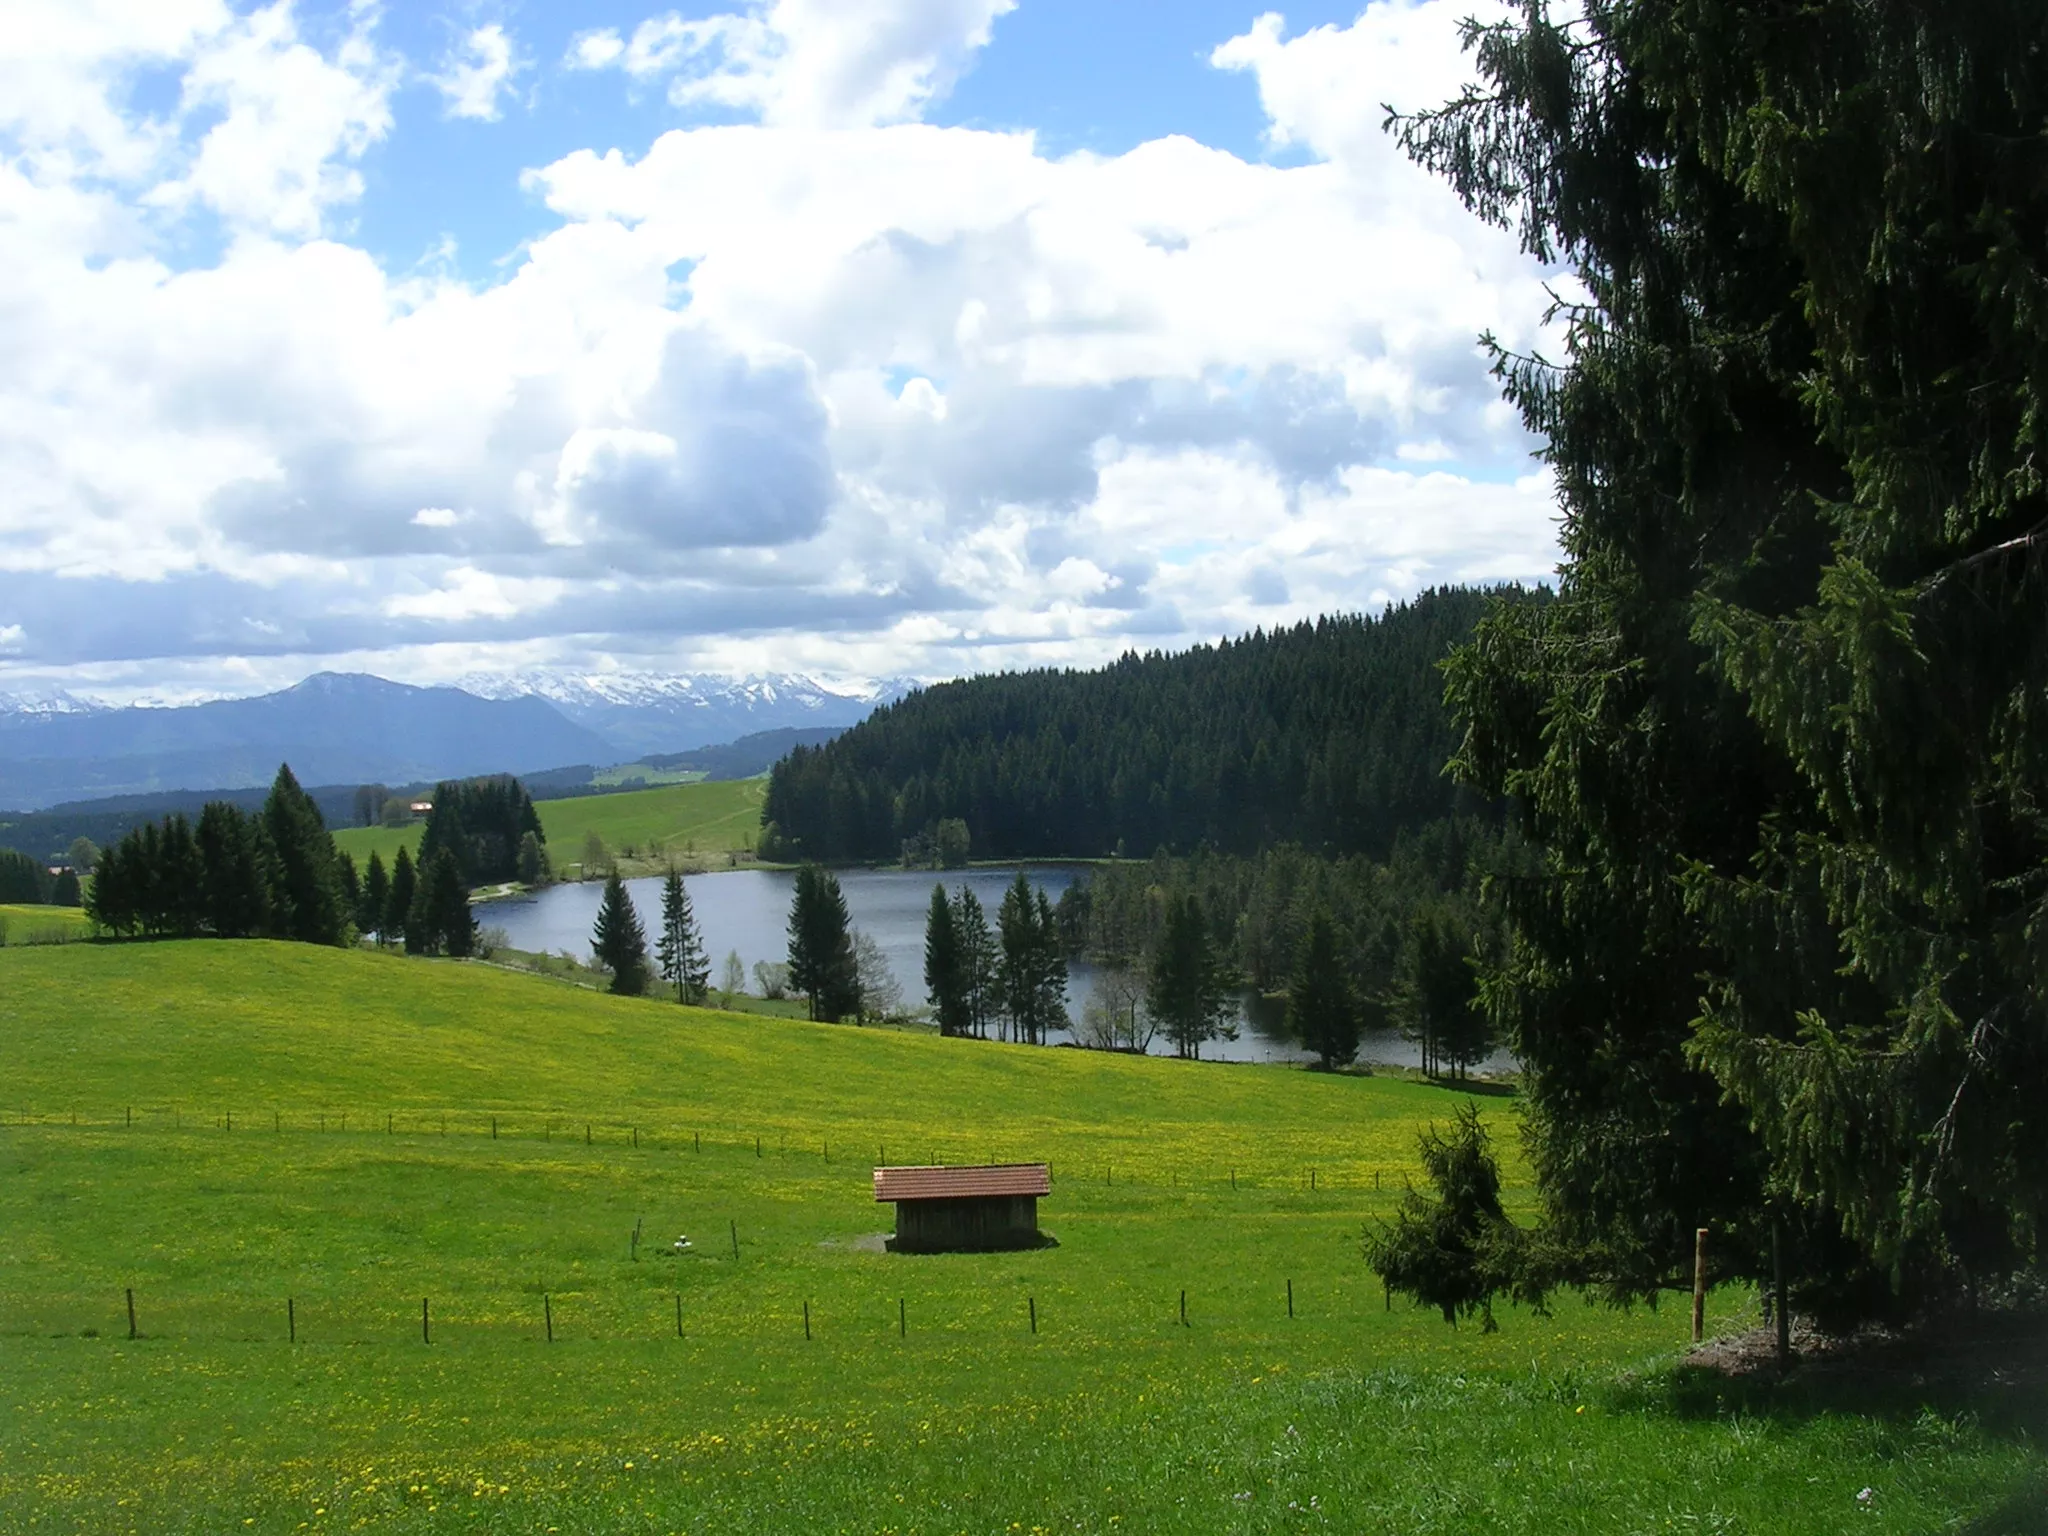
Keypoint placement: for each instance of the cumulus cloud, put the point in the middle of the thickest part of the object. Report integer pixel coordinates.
(835, 389)
(477, 71)
(816, 63)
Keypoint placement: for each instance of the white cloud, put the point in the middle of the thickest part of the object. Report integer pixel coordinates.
(480, 68)
(824, 63)
(830, 390)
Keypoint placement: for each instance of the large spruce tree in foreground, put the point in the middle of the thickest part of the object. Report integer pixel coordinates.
(1782, 732)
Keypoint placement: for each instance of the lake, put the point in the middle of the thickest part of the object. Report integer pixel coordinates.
(747, 911)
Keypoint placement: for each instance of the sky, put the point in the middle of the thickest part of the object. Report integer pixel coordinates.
(858, 338)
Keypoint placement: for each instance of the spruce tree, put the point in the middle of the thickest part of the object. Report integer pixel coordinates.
(1780, 736)
(440, 922)
(980, 994)
(234, 887)
(684, 963)
(306, 903)
(1187, 992)
(822, 964)
(1322, 1012)
(945, 979)
(376, 898)
(398, 908)
(618, 941)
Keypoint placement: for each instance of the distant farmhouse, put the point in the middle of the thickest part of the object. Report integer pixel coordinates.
(964, 1210)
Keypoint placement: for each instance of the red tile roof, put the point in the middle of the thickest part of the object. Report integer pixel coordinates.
(959, 1183)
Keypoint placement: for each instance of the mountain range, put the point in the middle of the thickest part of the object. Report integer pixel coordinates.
(341, 728)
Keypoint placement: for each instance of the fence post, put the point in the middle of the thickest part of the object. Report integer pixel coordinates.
(426, 1334)
(679, 1314)
(1183, 1309)
(1699, 1285)
(807, 1319)
(1782, 1317)
(494, 1127)
(547, 1315)
(291, 1319)
(902, 1320)
(131, 1312)
(735, 1239)
(1290, 1298)
(1033, 1300)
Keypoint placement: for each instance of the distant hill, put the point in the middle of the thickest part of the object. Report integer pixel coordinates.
(1332, 734)
(333, 728)
(48, 833)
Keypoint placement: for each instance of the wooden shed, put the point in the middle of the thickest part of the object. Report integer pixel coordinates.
(964, 1210)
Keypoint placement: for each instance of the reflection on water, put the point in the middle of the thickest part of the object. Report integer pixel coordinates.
(746, 911)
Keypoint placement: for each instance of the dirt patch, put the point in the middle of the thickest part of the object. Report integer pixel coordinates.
(1997, 1351)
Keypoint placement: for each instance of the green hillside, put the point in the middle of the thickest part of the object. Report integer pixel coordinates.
(683, 819)
(223, 1126)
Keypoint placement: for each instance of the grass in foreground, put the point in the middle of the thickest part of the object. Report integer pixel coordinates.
(695, 822)
(1113, 1416)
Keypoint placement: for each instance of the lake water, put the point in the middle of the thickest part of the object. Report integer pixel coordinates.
(747, 910)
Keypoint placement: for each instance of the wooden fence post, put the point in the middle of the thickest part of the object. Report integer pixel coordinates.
(1033, 1300)
(291, 1319)
(807, 1319)
(902, 1320)
(547, 1315)
(1290, 1298)
(679, 1314)
(735, 1239)
(1699, 1285)
(426, 1333)
(131, 1312)
(1782, 1314)
(1183, 1309)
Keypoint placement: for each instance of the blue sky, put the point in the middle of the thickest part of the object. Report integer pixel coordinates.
(854, 337)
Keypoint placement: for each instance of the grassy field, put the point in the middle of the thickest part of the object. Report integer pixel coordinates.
(40, 925)
(696, 822)
(221, 1127)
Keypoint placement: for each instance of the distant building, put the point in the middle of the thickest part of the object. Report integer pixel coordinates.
(421, 807)
(964, 1210)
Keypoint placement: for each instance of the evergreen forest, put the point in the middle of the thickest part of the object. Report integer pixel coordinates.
(1331, 734)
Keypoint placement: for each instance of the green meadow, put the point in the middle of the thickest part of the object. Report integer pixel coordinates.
(259, 1138)
(24, 924)
(695, 820)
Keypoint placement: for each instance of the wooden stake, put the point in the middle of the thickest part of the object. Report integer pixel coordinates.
(1781, 1313)
(735, 1239)
(1290, 1298)
(1183, 1309)
(131, 1312)
(1233, 1178)
(1311, 1179)
(494, 1127)
(426, 1333)
(1699, 1285)
(291, 1320)
(1033, 1300)
(547, 1315)
(679, 1314)
(902, 1320)
(697, 1141)
(586, 1135)
(757, 1146)
(807, 1319)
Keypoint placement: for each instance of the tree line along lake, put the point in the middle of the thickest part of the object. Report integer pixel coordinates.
(747, 911)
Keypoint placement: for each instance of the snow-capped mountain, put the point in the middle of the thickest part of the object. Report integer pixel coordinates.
(48, 701)
(642, 712)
